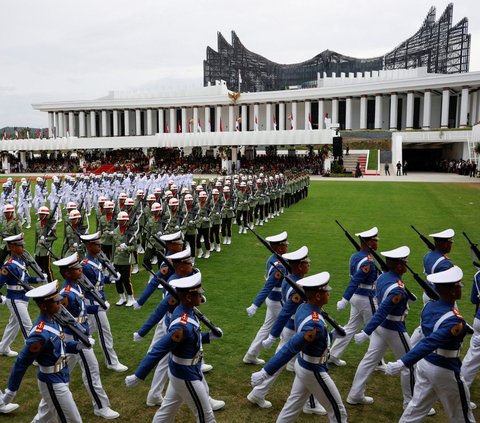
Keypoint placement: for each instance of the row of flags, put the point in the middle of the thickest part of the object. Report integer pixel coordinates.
(39, 134)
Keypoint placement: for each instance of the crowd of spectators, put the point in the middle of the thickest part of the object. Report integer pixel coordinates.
(461, 167)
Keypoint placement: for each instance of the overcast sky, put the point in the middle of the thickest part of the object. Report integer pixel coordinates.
(65, 50)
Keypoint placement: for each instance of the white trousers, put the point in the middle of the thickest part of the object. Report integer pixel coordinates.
(321, 385)
(19, 320)
(90, 374)
(380, 340)
(160, 377)
(192, 392)
(471, 362)
(99, 322)
(57, 404)
(273, 309)
(23, 212)
(361, 311)
(434, 382)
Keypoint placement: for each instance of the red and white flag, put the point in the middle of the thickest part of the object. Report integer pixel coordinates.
(292, 121)
(255, 126)
(167, 129)
(16, 134)
(237, 124)
(179, 127)
(190, 123)
(310, 122)
(221, 126)
(39, 133)
(199, 126)
(4, 137)
(28, 134)
(274, 123)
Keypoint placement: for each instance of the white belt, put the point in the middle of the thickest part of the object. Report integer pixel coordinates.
(277, 289)
(15, 288)
(314, 360)
(396, 318)
(366, 286)
(81, 319)
(55, 368)
(187, 361)
(447, 353)
(99, 288)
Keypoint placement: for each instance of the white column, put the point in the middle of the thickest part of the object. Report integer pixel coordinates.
(173, 123)
(184, 120)
(138, 122)
(307, 112)
(71, 123)
(294, 114)
(464, 108)
(93, 124)
(348, 114)
(115, 123)
(393, 111)
(208, 126)
(474, 112)
(334, 116)
(23, 159)
(268, 117)
(281, 117)
(161, 121)
(378, 111)
(126, 122)
(149, 122)
(445, 106)
(231, 118)
(409, 116)
(51, 123)
(61, 127)
(195, 120)
(321, 113)
(256, 116)
(427, 109)
(363, 112)
(218, 117)
(244, 117)
(81, 123)
(104, 123)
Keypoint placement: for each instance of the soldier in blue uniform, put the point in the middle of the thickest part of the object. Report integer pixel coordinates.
(271, 294)
(437, 355)
(46, 345)
(386, 329)
(93, 271)
(360, 293)
(183, 342)
(311, 341)
(71, 270)
(13, 270)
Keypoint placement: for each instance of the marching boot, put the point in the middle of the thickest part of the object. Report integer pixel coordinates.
(225, 240)
(207, 254)
(135, 269)
(122, 300)
(240, 229)
(218, 249)
(130, 301)
(200, 253)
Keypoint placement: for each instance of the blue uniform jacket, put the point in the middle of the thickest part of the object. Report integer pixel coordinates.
(47, 348)
(291, 301)
(16, 266)
(434, 262)
(362, 271)
(273, 284)
(93, 271)
(73, 293)
(184, 341)
(153, 284)
(446, 334)
(311, 338)
(393, 302)
(475, 294)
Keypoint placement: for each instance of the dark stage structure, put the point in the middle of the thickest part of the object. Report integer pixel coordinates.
(437, 45)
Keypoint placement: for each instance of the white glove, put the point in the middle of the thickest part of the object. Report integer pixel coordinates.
(42, 238)
(251, 310)
(136, 306)
(213, 336)
(131, 381)
(3, 300)
(258, 377)
(475, 339)
(123, 246)
(45, 276)
(137, 337)
(8, 396)
(342, 304)
(361, 337)
(107, 304)
(75, 245)
(393, 367)
(82, 346)
(267, 343)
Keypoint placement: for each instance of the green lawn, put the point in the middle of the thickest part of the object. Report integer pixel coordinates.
(232, 279)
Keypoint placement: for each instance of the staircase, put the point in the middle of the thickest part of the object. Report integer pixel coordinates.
(107, 168)
(350, 162)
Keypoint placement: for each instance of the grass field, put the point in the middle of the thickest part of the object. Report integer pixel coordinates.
(233, 277)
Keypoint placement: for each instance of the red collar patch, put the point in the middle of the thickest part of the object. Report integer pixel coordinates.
(457, 313)
(315, 316)
(400, 284)
(67, 289)
(85, 260)
(40, 326)
(184, 319)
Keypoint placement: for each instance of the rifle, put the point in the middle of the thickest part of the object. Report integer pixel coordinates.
(88, 287)
(377, 257)
(200, 316)
(474, 249)
(427, 242)
(339, 329)
(155, 237)
(425, 286)
(30, 262)
(269, 247)
(63, 317)
(102, 258)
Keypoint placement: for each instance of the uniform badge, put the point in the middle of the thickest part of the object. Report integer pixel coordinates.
(400, 284)
(184, 319)
(4, 271)
(177, 335)
(40, 326)
(296, 298)
(366, 269)
(164, 270)
(10, 260)
(172, 301)
(396, 298)
(278, 275)
(310, 335)
(457, 329)
(315, 316)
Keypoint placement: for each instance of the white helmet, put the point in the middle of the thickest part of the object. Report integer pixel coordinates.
(156, 207)
(188, 197)
(123, 216)
(71, 205)
(74, 214)
(215, 191)
(43, 210)
(172, 202)
(202, 194)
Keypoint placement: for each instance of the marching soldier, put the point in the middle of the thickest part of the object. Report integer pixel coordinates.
(228, 213)
(45, 235)
(204, 225)
(24, 203)
(106, 226)
(8, 227)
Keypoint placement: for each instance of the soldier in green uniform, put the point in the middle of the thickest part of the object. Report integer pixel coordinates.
(154, 226)
(216, 206)
(228, 213)
(204, 225)
(241, 207)
(191, 218)
(106, 226)
(9, 226)
(45, 235)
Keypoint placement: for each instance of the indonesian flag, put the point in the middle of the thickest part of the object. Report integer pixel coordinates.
(167, 129)
(221, 126)
(255, 127)
(4, 137)
(39, 133)
(274, 123)
(237, 124)
(8, 136)
(16, 134)
(292, 121)
(310, 121)
(28, 134)
(179, 127)
(199, 126)
(190, 122)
